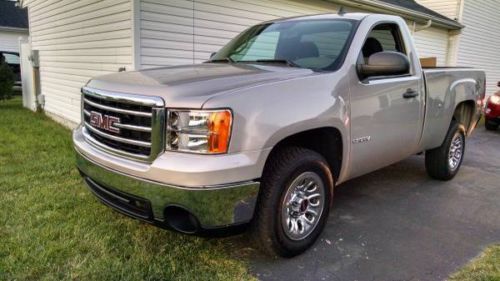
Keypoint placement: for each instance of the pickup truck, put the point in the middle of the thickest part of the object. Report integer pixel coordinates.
(258, 136)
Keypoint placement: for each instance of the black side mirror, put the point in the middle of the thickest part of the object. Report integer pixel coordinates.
(213, 54)
(385, 63)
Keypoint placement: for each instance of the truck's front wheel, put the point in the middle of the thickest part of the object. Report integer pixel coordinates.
(443, 163)
(294, 202)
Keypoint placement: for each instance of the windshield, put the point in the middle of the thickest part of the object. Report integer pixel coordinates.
(313, 44)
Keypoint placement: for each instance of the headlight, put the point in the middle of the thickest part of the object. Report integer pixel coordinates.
(199, 131)
(495, 99)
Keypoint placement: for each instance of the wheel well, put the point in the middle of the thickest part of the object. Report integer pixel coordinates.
(325, 141)
(464, 114)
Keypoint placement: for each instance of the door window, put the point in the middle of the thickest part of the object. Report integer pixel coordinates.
(384, 37)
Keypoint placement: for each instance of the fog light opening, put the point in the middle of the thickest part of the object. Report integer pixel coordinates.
(181, 220)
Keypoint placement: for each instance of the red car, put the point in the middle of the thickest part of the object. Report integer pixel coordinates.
(492, 111)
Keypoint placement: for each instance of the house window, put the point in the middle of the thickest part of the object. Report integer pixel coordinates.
(11, 58)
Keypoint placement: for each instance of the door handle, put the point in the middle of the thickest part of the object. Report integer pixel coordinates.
(410, 93)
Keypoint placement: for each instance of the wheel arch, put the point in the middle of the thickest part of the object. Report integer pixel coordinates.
(327, 141)
(464, 115)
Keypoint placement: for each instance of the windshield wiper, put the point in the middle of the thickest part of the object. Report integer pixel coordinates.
(280, 61)
(226, 59)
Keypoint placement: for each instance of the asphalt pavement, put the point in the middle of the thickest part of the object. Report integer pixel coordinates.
(399, 224)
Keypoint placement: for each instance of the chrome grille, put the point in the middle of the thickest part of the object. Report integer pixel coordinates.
(124, 124)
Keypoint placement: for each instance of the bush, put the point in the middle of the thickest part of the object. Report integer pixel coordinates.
(6, 80)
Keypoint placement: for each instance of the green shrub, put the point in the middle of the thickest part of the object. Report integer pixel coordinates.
(6, 80)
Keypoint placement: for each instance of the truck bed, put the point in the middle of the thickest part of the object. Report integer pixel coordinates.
(445, 86)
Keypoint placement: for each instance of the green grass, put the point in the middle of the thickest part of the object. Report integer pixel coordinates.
(52, 228)
(486, 267)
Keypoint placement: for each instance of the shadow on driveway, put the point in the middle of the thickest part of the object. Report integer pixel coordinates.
(398, 224)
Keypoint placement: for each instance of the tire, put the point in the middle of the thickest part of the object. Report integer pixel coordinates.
(289, 167)
(490, 126)
(439, 163)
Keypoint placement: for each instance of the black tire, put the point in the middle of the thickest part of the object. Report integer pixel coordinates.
(490, 126)
(283, 168)
(437, 160)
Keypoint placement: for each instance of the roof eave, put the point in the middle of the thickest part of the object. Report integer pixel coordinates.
(376, 6)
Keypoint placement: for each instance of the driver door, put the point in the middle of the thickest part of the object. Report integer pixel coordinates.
(386, 124)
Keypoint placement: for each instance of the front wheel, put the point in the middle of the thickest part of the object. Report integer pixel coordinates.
(443, 163)
(294, 202)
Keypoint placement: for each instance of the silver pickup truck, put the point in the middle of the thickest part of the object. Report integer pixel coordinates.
(261, 133)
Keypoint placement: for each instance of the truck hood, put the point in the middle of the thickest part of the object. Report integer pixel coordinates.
(192, 85)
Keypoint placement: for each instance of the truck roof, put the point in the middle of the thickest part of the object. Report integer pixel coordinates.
(351, 16)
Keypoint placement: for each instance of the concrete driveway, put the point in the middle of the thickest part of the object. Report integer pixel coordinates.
(398, 224)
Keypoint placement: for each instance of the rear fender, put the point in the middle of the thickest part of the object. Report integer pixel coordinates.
(443, 101)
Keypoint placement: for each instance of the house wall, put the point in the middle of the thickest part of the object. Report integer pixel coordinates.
(184, 31)
(447, 8)
(432, 42)
(9, 40)
(477, 44)
(480, 39)
(78, 39)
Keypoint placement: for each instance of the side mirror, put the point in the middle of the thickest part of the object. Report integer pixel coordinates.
(385, 63)
(213, 54)
(498, 84)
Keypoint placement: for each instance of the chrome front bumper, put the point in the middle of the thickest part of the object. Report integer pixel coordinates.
(212, 206)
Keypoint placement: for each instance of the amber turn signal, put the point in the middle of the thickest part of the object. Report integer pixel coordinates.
(219, 127)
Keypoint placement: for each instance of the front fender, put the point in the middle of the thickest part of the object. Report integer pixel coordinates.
(267, 114)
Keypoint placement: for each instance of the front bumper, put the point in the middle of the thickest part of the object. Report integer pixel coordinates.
(213, 207)
(492, 112)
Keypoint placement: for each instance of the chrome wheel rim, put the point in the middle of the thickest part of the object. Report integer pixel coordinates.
(303, 206)
(456, 151)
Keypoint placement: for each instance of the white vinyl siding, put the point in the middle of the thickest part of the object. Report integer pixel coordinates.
(480, 39)
(218, 21)
(447, 8)
(166, 32)
(78, 40)
(185, 32)
(9, 41)
(432, 42)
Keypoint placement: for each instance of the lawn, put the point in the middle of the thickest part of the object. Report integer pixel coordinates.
(486, 267)
(52, 228)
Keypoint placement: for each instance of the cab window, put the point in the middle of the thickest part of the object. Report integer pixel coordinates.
(384, 37)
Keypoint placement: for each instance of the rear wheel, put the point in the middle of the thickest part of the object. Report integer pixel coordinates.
(490, 126)
(443, 163)
(294, 202)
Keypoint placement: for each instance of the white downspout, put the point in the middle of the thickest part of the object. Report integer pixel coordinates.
(420, 28)
(454, 37)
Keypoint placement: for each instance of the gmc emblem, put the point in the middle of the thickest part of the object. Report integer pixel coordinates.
(105, 122)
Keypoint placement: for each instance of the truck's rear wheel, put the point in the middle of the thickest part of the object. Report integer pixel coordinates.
(443, 163)
(294, 202)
